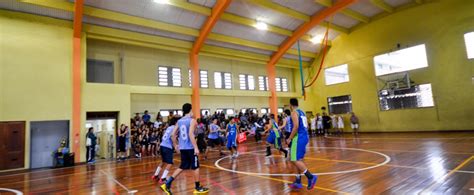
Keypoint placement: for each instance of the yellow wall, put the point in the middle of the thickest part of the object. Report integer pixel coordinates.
(441, 26)
(35, 76)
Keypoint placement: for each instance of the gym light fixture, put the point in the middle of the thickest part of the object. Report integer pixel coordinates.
(316, 39)
(261, 25)
(162, 1)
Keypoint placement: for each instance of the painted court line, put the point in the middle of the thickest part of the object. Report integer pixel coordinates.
(441, 179)
(387, 160)
(117, 182)
(11, 190)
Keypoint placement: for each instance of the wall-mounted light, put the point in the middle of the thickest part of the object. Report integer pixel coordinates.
(260, 25)
(162, 1)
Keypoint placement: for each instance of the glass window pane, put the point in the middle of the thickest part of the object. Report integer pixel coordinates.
(401, 60)
(251, 82)
(337, 74)
(218, 80)
(469, 39)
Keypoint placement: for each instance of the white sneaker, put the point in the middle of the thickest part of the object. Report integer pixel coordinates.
(236, 154)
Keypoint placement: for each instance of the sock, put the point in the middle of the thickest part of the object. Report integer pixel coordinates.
(168, 182)
(298, 179)
(284, 151)
(165, 173)
(308, 174)
(269, 152)
(157, 172)
(197, 184)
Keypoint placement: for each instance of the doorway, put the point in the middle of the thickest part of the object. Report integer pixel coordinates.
(12, 145)
(105, 128)
(46, 137)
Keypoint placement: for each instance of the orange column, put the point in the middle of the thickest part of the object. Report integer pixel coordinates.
(76, 79)
(217, 11)
(195, 97)
(273, 100)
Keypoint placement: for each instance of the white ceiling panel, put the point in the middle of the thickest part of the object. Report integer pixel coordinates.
(294, 57)
(308, 7)
(365, 7)
(247, 33)
(15, 5)
(135, 28)
(207, 3)
(397, 3)
(249, 10)
(151, 10)
(307, 46)
(320, 31)
(342, 20)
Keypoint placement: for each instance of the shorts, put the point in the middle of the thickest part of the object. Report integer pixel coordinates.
(189, 160)
(272, 139)
(166, 155)
(214, 142)
(287, 134)
(298, 148)
(201, 143)
(340, 125)
(354, 125)
(231, 142)
(319, 126)
(121, 146)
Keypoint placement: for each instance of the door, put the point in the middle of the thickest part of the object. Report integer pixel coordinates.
(12, 145)
(46, 137)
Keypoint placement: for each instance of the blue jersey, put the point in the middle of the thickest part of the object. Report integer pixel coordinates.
(232, 129)
(289, 124)
(275, 129)
(184, 125)
(166, 140)
(213, 135)
(302, 125)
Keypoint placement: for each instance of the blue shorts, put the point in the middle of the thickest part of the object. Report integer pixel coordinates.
(272, 139)
(298, 148)
(166, 155)
(231, 141)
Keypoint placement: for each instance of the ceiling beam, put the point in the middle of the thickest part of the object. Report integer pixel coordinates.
(290, 41)
(315, 20)
(382, 5)
(348, 12)
(243, 20)
(124, 18)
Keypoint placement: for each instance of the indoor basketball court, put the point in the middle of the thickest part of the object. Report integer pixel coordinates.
(236, 97)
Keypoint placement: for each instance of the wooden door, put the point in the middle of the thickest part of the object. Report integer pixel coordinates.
(13, 145)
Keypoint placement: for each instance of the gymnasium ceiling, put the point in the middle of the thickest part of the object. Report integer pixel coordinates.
(182, 19)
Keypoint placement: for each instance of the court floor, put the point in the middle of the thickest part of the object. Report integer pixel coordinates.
(375, 163)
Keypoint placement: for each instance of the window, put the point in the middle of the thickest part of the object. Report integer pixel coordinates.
(340, 104)
(263, 83)
(203, 112)
(417, 96)
(165, 113)
(337, 74)
(203, 79)
(281, 84)
(99, 71)
(469, 39)
(222, 80)
(247, 82)
(227, 111)
(265, 110)
(280, 110)
(401, 60)
(244, 110)
(169, 76)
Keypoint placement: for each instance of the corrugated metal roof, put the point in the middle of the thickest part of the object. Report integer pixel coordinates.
(308, 7)
(248, 33)
(366, 8)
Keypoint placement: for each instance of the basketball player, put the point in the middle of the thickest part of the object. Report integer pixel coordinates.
(232, 130)
(299, 139)
(166, 151)
(274, 138)
(188, 149)
(213, 137)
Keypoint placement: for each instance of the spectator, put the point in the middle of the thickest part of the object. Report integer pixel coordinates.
(319, 124)
(333, 122)
(313, 125)
(340, 125)
(326, 123)
(146, 117)
(355, 123)
(122, 136)
(91, 142)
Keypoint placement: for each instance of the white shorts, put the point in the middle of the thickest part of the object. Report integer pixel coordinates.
(340, 125)
(320, 126)
(354, 126)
